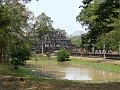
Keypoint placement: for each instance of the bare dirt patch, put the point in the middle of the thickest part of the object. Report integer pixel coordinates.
(45, 84)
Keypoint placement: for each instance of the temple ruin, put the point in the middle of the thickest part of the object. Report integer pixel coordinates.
(53, 41)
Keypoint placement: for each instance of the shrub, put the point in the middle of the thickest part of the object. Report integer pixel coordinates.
(62, 55)
(19, 56)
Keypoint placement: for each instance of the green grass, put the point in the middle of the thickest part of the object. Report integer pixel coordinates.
(43, 60)
(108, 67)
(8, 70)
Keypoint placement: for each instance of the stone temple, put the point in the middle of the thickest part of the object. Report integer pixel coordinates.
(53, 41)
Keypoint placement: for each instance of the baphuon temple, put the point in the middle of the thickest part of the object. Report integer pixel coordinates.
(53, 41)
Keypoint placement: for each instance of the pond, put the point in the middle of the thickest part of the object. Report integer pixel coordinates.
(64, 70)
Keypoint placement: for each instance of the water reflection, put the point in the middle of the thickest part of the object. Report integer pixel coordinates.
(75, 72)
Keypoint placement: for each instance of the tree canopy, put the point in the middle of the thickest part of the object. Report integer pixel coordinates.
(13, 25)
(43, 24)
(100, 17)
(16, 28)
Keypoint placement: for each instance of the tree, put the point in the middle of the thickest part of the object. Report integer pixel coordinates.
(76, 39)
(26, 1)
(13, 23)
(19, 56)
(111, 40)
(42, 25)
(99, 16)
(87, 18)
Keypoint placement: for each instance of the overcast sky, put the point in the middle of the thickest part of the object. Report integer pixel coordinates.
(62, 12)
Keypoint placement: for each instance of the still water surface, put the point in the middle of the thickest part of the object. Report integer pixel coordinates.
(63, 70)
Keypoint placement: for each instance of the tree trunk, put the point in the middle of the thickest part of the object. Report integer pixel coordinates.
(104, 51)
(42, 47)
(4, 55)
(0, 54)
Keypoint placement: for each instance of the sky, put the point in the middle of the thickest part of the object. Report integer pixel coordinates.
(62, 12)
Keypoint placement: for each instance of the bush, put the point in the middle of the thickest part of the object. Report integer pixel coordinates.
(62, 55)
(19, 56)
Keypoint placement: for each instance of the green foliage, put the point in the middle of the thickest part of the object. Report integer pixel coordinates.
(85, 41)
(87, 18)
(104, 66)
(62, 55)
(13, 24)
(100, 17)
(111, 41)
(19, 56)
(76, 40)
(42, 25)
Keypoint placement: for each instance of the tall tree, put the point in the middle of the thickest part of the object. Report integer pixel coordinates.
(111, 39)
(13, 22)
(87, 18)
(98, 16)
(42, 25)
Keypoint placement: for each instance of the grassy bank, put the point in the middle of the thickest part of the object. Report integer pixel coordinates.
(100, 64)
(8, 70)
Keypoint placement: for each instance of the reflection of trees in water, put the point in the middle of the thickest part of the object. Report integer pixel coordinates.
(72, 72)
(104, 75)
